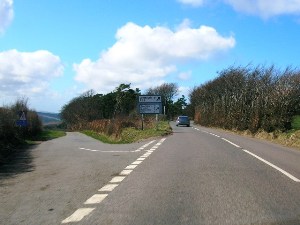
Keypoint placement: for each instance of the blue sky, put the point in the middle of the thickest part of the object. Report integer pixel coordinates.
(52, 50)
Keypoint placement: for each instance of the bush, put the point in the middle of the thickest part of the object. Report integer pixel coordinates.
(249, 98)
(11, 135)
(296, 122)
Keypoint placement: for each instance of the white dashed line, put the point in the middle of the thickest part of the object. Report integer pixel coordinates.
(78, 215)
(125, 172)
(138, 150)
(130, 167)
(136, 162)
(108, 187)
(117, 179)
(96, 199)
(141, 159)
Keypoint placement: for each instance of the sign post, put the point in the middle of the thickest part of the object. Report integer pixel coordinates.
(149, 104)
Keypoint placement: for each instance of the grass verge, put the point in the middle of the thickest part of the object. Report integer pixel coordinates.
(130, 135)
(290, 138)
(46, 135)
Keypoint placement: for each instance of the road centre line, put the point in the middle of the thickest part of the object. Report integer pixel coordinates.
(79, 214)
(108, 187)
(272, 165)
(96, 199)
(125, 172)
(136, 162)
(130, 167)
(117, 179)
(141, 159)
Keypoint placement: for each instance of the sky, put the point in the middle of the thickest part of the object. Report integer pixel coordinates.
(54, 50)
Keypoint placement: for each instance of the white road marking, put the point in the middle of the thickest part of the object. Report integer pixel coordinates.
(78, 215)
(272, 165)
(136, 162)
(214, 135)
(108, 187)
(117, 179)
(96, 199)
(125, 172)
(231, 143)
(138, 150)
(130, 167)
(141, 159)
(259, 158)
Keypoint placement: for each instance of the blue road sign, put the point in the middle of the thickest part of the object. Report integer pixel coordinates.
(22, 123)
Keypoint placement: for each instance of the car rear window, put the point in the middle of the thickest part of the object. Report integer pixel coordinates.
(184, 118)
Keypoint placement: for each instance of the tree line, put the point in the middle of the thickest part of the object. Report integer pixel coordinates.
(121, 102)
(249, 98)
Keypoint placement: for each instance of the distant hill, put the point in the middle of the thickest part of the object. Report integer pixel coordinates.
(49, 118)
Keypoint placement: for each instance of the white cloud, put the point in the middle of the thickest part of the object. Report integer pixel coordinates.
(266, 8)
(194, 3)
(144, 56)
(6, 14)
(261, 8)
(27, 73)
(185, 75)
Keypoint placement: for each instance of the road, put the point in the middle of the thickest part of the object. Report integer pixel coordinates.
(195, 176)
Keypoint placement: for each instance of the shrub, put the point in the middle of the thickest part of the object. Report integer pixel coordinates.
(11, 135)
(296, 122)
(249, 98)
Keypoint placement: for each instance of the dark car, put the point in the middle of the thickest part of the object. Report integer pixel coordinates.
(183, 120)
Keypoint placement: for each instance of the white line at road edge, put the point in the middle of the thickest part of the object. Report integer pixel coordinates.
(231, 142)
(272, 165)
(259, 158)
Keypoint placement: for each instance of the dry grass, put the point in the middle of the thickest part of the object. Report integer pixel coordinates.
(123, 130)
(290, 139)
(129, 134)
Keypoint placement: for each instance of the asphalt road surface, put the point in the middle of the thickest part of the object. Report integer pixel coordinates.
(195, 176)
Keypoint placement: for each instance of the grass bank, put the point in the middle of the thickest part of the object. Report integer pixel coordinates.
(131, 134)
(46, 135)
(289, 139)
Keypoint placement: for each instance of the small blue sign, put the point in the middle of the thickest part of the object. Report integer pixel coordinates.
(22, 123)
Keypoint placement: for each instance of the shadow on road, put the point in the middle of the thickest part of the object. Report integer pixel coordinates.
(21, 162)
